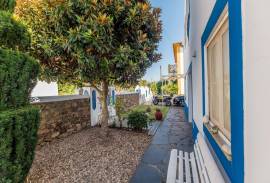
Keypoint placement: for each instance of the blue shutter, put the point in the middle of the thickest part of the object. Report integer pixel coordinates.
(94, 99)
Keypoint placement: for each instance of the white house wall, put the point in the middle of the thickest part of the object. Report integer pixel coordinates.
(199, 15)
(45, 89)
(256, 37)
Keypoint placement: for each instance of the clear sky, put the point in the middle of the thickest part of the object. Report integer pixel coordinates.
(173, 31)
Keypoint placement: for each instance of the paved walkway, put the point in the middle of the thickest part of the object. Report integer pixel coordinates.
(174, 133)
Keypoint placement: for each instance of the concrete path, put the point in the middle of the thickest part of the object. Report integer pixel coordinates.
(174, 133)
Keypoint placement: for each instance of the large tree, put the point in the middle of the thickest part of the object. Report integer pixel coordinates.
(98, 42)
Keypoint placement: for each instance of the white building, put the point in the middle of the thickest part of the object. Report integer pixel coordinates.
(179, 61)
(227, 61)
(45, 89)
(145, 92)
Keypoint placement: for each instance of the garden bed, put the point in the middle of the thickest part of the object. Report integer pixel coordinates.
(86, 157)
(143, 108)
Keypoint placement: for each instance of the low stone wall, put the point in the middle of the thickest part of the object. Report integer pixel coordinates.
(62, 116)
(129, 100)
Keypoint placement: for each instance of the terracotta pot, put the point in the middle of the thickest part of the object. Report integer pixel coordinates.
(159, 115)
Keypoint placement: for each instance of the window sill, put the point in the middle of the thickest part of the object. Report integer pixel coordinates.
(223, 145)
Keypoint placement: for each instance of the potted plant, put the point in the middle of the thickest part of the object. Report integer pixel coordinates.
(158, 115)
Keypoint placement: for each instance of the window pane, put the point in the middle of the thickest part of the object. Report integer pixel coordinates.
(226, 80)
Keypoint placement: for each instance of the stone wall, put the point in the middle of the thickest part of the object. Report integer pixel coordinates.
(62, 116)
(129, 100)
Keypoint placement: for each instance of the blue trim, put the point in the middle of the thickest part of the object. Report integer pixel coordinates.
(113, 97)
(236, 170)
(186, 110)
(227, 165)
(195, 130)
(236, 83)
(94, 100)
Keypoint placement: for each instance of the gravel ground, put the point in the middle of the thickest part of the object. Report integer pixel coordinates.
(87, 158)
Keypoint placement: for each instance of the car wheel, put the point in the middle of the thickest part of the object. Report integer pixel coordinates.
(168, 103)
(155, 102)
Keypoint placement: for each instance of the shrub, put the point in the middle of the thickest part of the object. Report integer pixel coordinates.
(18, 76)
(137, 120)
(18, 121)
(7, 5)
(13, 34)
(18, 137)
(148, 109)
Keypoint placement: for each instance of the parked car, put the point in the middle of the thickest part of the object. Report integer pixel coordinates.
(164, 99)
(179, 100)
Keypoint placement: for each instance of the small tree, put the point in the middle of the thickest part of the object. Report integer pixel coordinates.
(154, 88)
(98, 42)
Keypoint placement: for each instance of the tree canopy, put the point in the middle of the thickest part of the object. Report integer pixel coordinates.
(93, 40)
(100, 42)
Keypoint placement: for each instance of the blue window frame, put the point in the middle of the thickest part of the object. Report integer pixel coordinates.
(234, 168)
(94, 99)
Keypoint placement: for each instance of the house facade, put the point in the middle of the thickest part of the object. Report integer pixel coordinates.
(179, 62)
(145, 92)
(226, 65)
(43, 88)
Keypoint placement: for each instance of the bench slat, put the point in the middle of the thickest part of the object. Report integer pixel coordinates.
(214, 173)
(181, 167)
(194, 168)
(198, 164)
(171, 174)
(201, 161)
(188, 177)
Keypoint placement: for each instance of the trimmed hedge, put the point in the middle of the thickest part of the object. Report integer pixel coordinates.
(18, 76)
(137, 120)
(7, 5)
(18, 138)
(13, 34)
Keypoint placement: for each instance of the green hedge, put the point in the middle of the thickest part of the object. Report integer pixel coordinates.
(137, 120)
(7, 5)
(18, 138)
(18, 76)
(13, 34)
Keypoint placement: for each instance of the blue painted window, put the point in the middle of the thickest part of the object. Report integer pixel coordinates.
(234, 168)
(94, 99)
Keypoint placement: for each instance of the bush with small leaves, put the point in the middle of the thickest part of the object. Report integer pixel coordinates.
(18, 138)
(12, 33)
(137, 120)
(19, 122)
(18, 76)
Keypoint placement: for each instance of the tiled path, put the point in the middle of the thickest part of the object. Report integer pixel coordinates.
(174, 133)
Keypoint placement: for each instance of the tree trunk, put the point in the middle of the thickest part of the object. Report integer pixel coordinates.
(105, 111)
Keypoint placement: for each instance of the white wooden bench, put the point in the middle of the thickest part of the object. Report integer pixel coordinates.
(196, 167)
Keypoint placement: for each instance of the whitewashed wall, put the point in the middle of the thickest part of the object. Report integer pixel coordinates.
(199, 15)
(256, 39)
(143, 96)
(45, 89)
